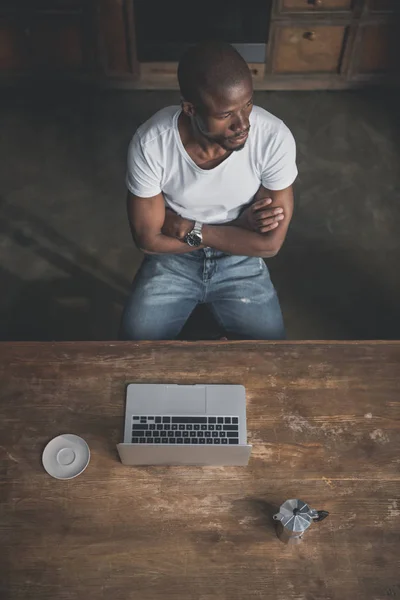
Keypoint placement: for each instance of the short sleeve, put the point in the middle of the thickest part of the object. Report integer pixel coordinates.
(279, 170)
(141, 176)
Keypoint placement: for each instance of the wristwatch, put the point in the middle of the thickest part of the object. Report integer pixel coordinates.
(194, 238)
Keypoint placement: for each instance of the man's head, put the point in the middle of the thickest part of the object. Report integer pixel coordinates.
(217, 93)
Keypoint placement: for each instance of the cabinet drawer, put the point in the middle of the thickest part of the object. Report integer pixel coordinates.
(317, 49)
(378, 47)
(41, 42)
(315, 5)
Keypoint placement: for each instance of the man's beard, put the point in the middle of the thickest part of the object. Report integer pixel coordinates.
(221, 141)
(228, 148)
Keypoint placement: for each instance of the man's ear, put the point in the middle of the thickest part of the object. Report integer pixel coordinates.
(188, 108)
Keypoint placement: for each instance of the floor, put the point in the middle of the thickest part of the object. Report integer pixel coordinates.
(66, 253)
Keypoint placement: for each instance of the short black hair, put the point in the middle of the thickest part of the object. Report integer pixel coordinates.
(208, 67)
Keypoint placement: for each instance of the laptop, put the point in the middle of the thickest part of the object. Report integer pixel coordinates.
(202, 425)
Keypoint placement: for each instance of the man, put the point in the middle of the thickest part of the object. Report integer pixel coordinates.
(210, 196)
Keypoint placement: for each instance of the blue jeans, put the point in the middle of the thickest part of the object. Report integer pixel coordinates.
(237, 289)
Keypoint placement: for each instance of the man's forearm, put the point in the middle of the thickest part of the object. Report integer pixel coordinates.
(226, 238)
(163, 244)
(229, 238)
(235, 240)
(258, 231)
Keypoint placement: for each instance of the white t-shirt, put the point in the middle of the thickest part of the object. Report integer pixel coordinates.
(158, 162)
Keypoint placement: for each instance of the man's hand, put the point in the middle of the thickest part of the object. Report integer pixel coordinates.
(258, 217)
(176, 226)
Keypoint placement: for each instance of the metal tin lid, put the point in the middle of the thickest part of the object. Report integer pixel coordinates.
(295, 515)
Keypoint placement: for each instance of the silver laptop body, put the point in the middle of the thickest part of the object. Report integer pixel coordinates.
(169, 424)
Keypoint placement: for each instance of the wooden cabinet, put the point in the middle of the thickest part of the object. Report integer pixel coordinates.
(311, 44)
(314, 5)
(315, 49)
(316, 44)
(71, 36)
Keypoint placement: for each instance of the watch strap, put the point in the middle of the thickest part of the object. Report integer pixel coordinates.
(197, 227)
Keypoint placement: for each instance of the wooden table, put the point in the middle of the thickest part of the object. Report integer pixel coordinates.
(324, 421)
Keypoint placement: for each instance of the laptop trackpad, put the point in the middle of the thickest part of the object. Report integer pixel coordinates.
(185, 400)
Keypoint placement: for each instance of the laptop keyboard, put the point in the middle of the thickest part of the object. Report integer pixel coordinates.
(185, 430)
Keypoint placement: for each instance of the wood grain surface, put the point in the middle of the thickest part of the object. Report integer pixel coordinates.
(324, 422)
(376, 44)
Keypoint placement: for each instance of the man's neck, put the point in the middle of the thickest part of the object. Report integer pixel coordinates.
(195, 142)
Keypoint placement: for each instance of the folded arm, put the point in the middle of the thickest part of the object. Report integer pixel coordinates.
(246, 236)
(146, 219)
(156, 232)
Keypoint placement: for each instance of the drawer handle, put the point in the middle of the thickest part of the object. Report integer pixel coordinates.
(310, 36)
(317, 2)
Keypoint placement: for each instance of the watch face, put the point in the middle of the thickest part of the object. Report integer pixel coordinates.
(193, 240)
